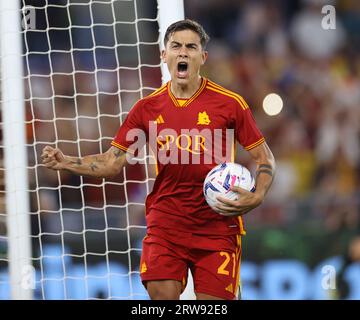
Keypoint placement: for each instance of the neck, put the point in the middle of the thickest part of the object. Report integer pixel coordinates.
(185, 91)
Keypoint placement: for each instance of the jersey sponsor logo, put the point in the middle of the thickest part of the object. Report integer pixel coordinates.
(203, 118)
(194, 144)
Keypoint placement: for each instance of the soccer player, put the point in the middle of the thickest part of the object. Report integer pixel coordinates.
(183, 232)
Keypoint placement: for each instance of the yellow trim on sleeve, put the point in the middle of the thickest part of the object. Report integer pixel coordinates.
(255, 144)
(119, 146)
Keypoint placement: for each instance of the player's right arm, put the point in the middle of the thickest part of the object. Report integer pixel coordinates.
(103, 165)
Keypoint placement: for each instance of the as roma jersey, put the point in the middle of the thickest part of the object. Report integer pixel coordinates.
(188, 138)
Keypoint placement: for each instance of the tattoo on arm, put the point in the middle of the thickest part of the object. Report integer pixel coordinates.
(269, 172)
(93, 166)
(77, 161)
(117, 153)
(265, 168)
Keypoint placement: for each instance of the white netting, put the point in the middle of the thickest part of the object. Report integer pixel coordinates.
(85, 64)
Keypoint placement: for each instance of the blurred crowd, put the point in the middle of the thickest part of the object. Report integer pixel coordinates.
(259, 47)
(256, 47)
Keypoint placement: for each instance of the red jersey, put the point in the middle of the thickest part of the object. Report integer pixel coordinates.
(190, 138)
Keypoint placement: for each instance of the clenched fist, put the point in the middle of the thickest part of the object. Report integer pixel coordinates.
(53, 158)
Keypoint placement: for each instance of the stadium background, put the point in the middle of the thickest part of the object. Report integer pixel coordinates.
(312, 213)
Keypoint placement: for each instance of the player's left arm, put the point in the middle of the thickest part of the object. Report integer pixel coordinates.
(247, 201)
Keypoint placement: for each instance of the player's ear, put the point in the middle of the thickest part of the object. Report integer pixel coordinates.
(163, 56)
(204, 56)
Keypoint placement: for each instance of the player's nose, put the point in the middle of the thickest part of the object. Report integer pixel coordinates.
(183, 53)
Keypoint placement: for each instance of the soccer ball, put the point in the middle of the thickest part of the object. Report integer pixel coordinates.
(220, 178)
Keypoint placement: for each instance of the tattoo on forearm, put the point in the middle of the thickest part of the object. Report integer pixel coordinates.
(99, 160)
(93, 166)
(77, 161)
(117, 153)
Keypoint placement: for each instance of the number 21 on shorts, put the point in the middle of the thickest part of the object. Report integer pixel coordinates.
(223, 269)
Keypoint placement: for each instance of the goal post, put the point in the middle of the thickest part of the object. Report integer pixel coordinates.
(169, 12)
(82, 66)
(14, 150)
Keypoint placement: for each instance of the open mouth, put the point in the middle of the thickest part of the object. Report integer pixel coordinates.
(182, 69)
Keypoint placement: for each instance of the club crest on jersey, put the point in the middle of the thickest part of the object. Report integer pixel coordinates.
(203, 118)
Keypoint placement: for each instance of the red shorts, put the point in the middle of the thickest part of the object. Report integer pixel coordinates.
(213, 261)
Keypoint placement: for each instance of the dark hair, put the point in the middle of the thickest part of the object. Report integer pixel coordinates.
(187, 24)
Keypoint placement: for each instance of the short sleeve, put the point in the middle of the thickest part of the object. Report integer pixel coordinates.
(247, 132)
(131, 135)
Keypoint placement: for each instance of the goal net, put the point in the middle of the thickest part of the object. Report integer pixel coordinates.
(85, 63)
